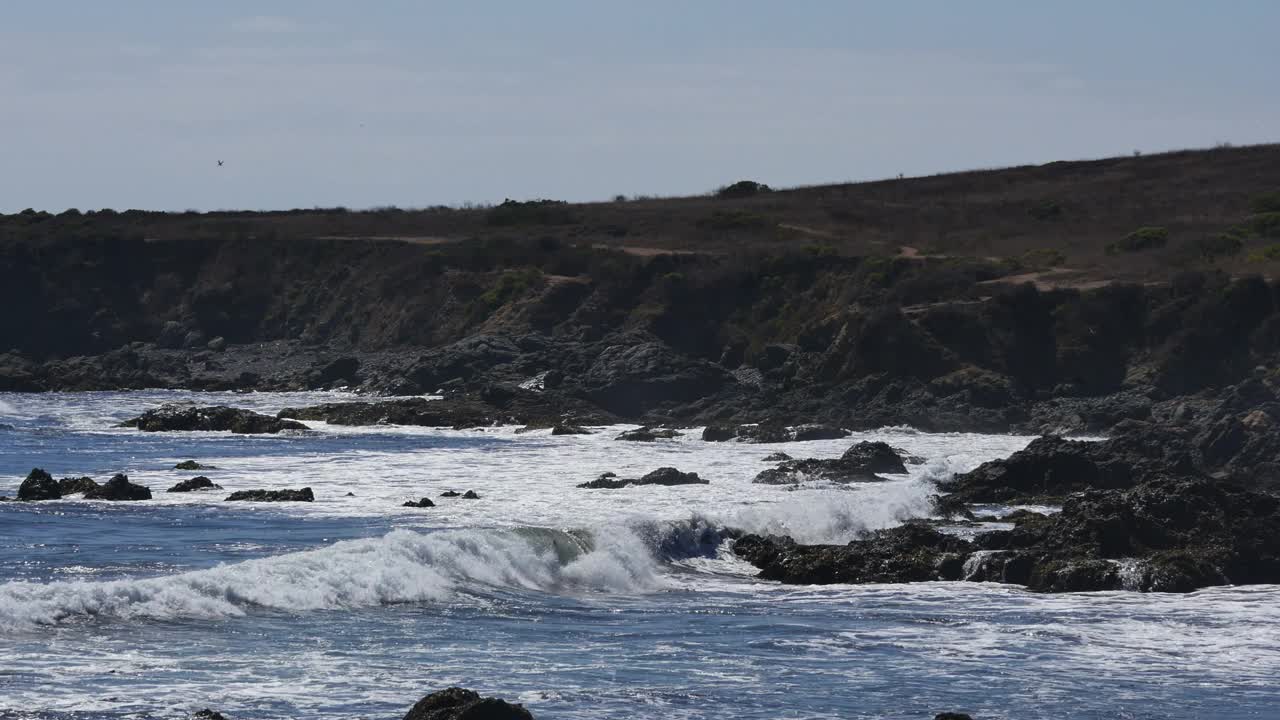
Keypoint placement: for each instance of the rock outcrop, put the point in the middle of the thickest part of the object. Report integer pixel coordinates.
(119, 488)
(864, 462)
(661, 476)
(302, 495)
(458, 703)
(199, 482)
(175, 417)
(71, 486)
(39, 485)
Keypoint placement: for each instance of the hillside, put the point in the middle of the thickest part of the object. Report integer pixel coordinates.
(974, 295)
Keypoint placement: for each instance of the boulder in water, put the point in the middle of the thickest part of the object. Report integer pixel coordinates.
(450, 493)
(952, 716)
(661, 476)
(71, 486)
(286, 495)
(648, 434)
(39, 485)
(180, 417)
(861, 463)
(567, 429)
(470, 495)
(192, 465)
(208, 714)
(423, 503)
(776, 457)
(199, 482)
(458, 703)
(119, 488)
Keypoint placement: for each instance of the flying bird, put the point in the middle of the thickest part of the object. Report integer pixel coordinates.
(219, 163)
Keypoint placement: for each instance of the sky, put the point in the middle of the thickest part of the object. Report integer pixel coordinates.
(130, 104)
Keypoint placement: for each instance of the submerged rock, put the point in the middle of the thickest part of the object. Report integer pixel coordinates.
(119, 488)
(196, 483)
(303, 495)
(39, 485)
(458, 703)
(450, 494)
(71, 486)
(192, 465)
(175, 417)
(647, 434)
(423, 503)
(661, 476)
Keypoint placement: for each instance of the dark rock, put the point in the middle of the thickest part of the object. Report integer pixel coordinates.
(952, 716)
(661, 476)
(118, 488)
(350, 494)
(303, 495)
(563, 429)
(910, 553)
(450, 493)
(196, 483)
(39, 485)
(511, 406)
(470, 495)
(343, 370)
(217, 344)
(170, 418)
(860, 463)
(633, 378)
(423, 503)
(646, 434)
(876, 457)
(192, 465)
(71, 486)
(208, 714)
(457, 703)
(776, 457)
(817, 431)
(772, 433)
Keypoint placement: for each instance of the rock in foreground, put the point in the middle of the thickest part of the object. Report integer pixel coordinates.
(460, 704)
(661, 476)
(176, 418)
(119, 488)
(303, 495)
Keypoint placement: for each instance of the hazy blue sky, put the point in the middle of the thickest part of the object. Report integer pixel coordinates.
(130, 104)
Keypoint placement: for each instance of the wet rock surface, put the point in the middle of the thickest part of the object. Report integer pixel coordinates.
(118, 488)
(287, 495)
(661, 476)
(196, 483)
(73, 485)
(772, 433)
(422, 503)
(457, 703)
(175, 418)
(39, 485)
(1165, 535)
(864, 462)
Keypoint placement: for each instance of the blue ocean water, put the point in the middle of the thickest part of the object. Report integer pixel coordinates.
(581, 604)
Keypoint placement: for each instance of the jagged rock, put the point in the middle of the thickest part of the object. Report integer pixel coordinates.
(661, 476)
(170, 418)
(861, 463)
(71, 486)
(458, 703)
(772, 433)
(646, 434)
(192, 465)
(913, 552)
(303, 495)
(39, 485)
(633, 378)
(119, 488)
(423, 503)
(470, 495)
(196, 483)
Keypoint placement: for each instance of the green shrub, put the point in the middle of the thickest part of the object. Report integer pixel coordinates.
(1147, 238)
(743, 188)
(1270, 253)
(510, 286)
(531, 212)
(1265, 225)
(1218, 246)
(1268, 203)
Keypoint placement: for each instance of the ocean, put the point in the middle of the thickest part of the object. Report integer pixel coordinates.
(578, 603)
